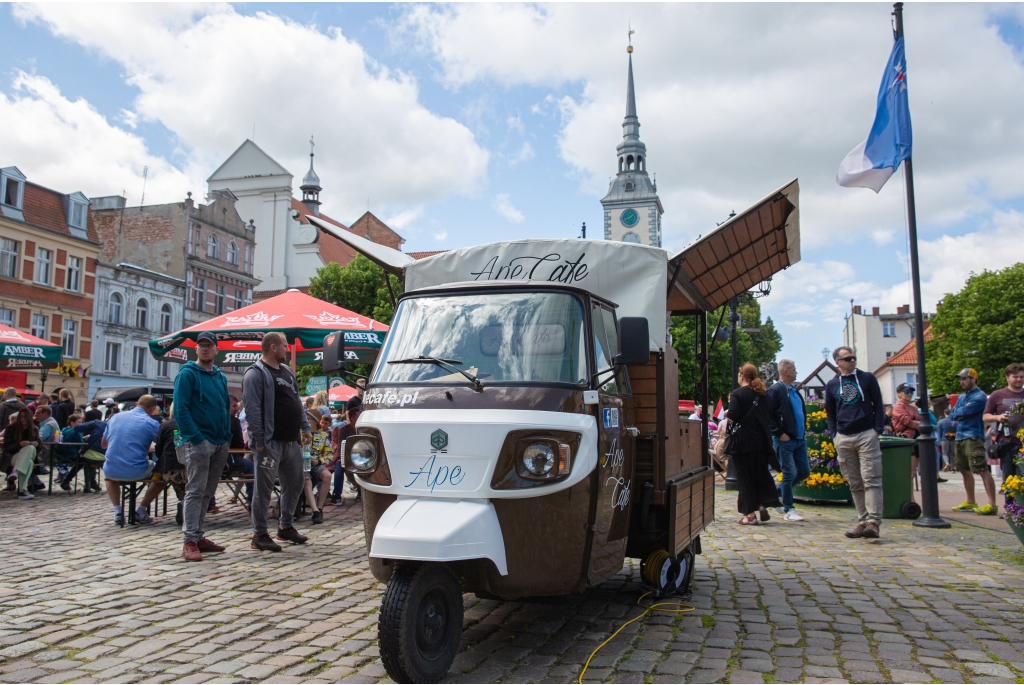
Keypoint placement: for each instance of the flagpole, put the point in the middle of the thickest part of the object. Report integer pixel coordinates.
(926, 439)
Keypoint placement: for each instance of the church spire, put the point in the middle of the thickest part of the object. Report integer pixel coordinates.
(311, 185)
(632, 207)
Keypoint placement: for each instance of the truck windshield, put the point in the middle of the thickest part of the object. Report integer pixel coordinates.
(497, 337)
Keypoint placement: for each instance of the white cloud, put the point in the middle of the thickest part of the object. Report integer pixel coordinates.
(404, 218)
(440, 236)
(515, 124)
(525, 153)
(208, 73)
(69, 146)
(800, 324)
(786, 92)
(503, 205)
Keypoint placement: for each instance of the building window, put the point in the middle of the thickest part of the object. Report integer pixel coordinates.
(7, 317)
(199, 295)
(163, 369)
(139, 361)
(248, 297)
(44, 266)
(219, 300)
(238, 299)
(74, 282)
(9, 258)
(630, 237)
(165, 319)
(233, 253)
(114, 306)
(12, 189)
(213, 247)
(70, 338)
(112, 358)
(142, 314)
(79, 213)
(193, 239)
(247, 264)
(889, 329)
(39, 326)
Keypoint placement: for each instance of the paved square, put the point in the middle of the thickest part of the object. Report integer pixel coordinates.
(84, 601)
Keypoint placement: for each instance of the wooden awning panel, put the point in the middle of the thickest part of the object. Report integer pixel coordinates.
(749, 248)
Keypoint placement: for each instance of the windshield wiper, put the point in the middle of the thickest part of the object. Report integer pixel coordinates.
(444, 363)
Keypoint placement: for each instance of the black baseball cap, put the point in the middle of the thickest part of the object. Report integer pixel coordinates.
(206, 336)
(905, 387)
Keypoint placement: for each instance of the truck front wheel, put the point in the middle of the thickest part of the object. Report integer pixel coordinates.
(420, 623)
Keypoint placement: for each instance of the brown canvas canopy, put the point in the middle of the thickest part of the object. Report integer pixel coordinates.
(745, 250)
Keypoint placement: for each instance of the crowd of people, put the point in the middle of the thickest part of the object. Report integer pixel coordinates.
(764, 431)
(268, 438)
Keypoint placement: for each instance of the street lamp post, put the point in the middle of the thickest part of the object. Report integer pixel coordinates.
(734, 318)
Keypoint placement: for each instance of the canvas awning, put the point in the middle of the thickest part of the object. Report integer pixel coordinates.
(745, 250)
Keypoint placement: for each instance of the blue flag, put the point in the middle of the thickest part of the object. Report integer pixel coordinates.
(870, 164)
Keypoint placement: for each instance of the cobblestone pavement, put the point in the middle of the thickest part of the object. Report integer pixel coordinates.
(84, 601)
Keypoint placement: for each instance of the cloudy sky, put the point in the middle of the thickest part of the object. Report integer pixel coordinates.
(470, 123)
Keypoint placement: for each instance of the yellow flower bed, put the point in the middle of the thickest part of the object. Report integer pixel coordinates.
(1014, 485)
(828, 480)
(827, 451)
(814, 416)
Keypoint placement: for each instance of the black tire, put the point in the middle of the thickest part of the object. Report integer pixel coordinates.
(686, 563)
(420, 623)
(910, 510)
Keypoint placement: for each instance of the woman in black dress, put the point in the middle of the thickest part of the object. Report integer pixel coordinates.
(752, 445)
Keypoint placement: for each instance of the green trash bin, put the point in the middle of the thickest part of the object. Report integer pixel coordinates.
(898, 479)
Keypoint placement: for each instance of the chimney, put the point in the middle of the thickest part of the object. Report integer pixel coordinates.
(905, 309)
(874, 311)
(856, 309)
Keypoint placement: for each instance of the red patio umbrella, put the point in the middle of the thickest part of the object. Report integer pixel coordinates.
(303, 320)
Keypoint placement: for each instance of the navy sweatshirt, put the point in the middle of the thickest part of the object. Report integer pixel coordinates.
(853, 404)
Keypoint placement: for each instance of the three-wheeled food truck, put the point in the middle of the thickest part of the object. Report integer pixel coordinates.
(520, 433)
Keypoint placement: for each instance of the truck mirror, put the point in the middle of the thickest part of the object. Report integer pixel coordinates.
(334, 352)
(634, 341)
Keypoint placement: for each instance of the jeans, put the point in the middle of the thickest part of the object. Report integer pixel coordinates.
(204, 464)
(860, 460)
(277, 461)
(796, 467)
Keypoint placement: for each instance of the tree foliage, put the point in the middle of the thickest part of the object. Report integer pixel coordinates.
(982, 327)
(755, 348)
(358, 287)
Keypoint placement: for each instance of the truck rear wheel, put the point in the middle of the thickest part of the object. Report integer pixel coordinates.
(420, 623)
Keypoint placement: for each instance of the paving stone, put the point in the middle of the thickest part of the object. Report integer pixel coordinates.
(990, 669)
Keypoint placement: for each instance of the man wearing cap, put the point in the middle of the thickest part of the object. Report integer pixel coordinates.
(998, 411)
(201, 404)
(969, 450)
(906, 419)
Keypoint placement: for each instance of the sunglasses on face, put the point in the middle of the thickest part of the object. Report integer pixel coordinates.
(849, 358)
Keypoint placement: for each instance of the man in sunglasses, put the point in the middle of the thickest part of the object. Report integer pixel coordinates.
(856, 417)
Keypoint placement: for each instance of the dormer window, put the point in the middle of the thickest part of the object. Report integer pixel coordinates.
(12, 187)
(78, 214)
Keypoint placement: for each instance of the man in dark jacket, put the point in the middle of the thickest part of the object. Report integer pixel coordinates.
(10, 406)
(787, 424)
(204, 435)
(65, 407)
(277, 423)
(856, 417)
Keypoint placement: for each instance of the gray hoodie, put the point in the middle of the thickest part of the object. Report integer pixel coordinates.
(258, 391)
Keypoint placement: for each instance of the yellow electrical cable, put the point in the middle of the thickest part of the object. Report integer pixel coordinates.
(683, 609)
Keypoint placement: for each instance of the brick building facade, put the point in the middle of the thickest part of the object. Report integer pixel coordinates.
(48, 252)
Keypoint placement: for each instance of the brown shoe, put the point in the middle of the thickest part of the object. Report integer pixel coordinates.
(191, 552)
(209, 546)
(857, 532)
(870, 530)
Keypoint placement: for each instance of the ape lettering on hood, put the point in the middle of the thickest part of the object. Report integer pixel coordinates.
(386, 398)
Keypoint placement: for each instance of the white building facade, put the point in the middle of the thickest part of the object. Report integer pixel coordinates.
(876, 337)
(133, 306)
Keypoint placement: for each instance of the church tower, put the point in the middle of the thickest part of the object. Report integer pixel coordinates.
(632, 209)
(311, 186)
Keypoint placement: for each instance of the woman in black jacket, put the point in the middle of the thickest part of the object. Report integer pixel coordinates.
(751, 446)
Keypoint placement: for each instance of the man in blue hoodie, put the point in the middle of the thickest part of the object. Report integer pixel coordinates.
(856, 417)
(969, 450)
(201, 406)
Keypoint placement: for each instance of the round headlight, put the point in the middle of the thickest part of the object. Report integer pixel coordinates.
(363, 455)
(539, 459)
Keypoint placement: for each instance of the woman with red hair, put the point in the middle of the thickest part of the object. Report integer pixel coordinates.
(751, 447)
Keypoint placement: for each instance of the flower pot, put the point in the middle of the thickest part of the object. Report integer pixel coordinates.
(1019, 532)
(835, 493)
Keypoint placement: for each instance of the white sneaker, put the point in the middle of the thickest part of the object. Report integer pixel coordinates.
(26, 495)
(781, 511)
(791, 515)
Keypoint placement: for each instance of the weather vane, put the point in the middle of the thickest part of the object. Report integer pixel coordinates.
(311, 145)
(629, 48)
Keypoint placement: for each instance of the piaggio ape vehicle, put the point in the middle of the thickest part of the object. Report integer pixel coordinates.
(520, 433)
